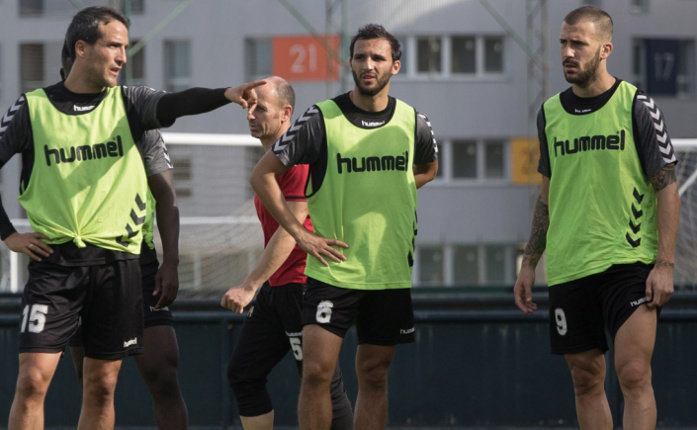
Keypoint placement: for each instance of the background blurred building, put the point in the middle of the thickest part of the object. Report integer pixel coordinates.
(478, 69)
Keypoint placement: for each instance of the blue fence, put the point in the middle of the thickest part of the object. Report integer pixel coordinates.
(477, 363)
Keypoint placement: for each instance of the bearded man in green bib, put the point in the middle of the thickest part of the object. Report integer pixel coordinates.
(607, 215)
(368, 153)
(84, 188)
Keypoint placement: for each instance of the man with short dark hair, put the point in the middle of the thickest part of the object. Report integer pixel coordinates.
(607, 215)
(368, 153)
(84, 186)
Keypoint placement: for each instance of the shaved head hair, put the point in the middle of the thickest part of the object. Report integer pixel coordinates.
(601, 19)
(285, 91)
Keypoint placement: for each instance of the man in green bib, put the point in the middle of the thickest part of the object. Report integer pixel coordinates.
(84, 188)
(607, 215)
(368, 153)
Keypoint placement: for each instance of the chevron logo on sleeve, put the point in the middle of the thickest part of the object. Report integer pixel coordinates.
(290, 134)
(10, 114)
(664, 144)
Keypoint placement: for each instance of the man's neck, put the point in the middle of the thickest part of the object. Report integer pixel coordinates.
(375, 103)
(77, 85)
(267, 142)
(602, 83)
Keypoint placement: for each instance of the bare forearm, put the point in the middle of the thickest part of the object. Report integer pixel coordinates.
(538, 233)
(276, 252)
(668, 214)
(668, 220)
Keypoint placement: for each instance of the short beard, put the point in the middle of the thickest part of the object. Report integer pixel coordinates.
(381, 83)
(583, 78)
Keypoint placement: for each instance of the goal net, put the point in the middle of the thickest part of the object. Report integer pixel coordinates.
(685, 273)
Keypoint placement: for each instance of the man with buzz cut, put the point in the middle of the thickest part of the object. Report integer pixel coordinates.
(368, 153)
(272, 326)
(607, 215)
(83, 186)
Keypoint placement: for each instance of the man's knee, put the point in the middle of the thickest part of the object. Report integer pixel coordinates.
(634, 375)
(374, 367)
(588, 376)
(32, 383)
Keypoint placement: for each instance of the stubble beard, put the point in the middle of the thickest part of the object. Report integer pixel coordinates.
(584, 77)
(381, 82)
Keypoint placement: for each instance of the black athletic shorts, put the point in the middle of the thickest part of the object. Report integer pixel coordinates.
(148, 266)
(582, 311)
(98, 287)
(382, 317)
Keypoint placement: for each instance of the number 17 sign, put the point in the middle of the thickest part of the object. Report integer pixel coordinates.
(306, 58)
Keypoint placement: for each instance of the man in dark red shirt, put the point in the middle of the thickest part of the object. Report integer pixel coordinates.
(273, 323)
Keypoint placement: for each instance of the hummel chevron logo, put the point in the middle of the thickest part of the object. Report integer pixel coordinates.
(631, 241)
(141, 203)
(635, 228)
(7, 118)
(288, 136)
(661, 133)
(139, 220)
(637, 196)
(637, 213)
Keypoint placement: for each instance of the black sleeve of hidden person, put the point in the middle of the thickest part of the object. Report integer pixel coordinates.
(189, 102)
(6, 227)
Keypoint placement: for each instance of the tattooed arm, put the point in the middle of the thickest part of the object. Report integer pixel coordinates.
(659, 284)
(533, 251)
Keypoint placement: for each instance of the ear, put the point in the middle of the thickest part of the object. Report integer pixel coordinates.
(606, 50)
(396, 67)
(80, 48)
(286, 113)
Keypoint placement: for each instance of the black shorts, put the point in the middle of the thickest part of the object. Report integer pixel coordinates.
(382, 317)
(271, 327)
(582, 311)
(148, 266)
(104, 295)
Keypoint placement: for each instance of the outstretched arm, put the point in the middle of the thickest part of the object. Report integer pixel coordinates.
(167, 213)
(659, 284)
(276, 252)
(533, 251)
(263, 180)
(196, 101)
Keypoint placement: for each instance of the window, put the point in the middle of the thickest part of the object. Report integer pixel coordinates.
(183, 175)
(450, 56)
(470, 265)
(464, 159)
(428, 52)
(474, 159)
(177, 65)
(664, 67)
(29, 8)
(493, 54)
(31, 66)
(495, 259)
(34, 8)
(463, 54)
(430, 265)
(639, 6)
(258, 55)
(133, 7)
(466, 265)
